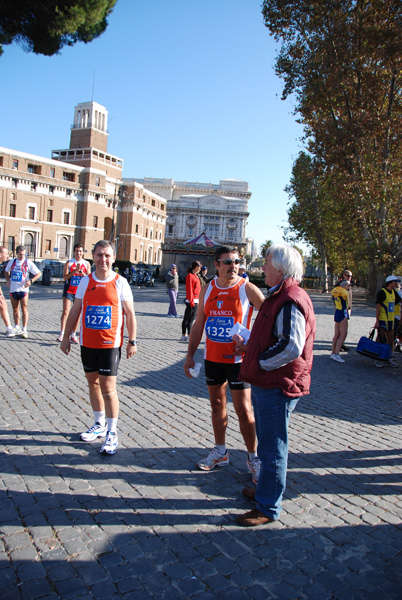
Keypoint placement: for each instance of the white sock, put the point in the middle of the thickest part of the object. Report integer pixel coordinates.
(100, 417)
(9, 328)
(252, 455)
(112, 425)
(221, 449)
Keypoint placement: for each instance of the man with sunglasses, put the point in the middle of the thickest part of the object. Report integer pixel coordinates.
(228, 299)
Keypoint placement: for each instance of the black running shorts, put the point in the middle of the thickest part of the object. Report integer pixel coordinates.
(103, 360)
(219, 373)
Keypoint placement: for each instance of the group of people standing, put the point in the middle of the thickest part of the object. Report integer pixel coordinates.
(267, 368)
(196, 277)
(388, 302)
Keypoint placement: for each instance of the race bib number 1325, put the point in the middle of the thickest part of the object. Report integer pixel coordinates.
(218, 328)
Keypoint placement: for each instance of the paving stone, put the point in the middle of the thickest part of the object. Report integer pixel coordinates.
(146, 524)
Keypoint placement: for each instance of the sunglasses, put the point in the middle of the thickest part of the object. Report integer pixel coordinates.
(229, 261)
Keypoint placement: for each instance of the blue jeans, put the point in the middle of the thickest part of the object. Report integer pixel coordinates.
(272, 412)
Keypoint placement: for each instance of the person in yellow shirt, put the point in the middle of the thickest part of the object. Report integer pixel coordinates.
(341, 317)
(385, 316)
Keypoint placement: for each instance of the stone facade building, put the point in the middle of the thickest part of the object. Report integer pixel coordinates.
(219, 210)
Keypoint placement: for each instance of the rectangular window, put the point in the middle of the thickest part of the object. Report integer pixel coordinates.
(48, 245)
(97, 197)
(170, 229)
(153, 203)
(13, 210)
(11, 243)
(97, 181)
(15, 166)
(1, 161)
(136, 229)
(50, 201)
(51, 189)
(66, 218)
(52, 172)
(68, 176)
(31, 213)
(68, 193)
(135, 255)
(50, 215)
(33, 186)
(34, 169)
(95, 221)
(13, 196)
(162, 207)
(14, 183)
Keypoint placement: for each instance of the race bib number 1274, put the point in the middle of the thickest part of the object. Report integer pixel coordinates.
(98, 317)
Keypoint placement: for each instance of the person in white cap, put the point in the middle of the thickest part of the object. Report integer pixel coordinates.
(242, 272)
(384, 316)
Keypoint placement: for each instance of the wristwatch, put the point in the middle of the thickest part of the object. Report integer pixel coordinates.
(132, 342)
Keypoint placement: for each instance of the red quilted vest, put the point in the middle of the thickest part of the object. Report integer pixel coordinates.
(293, 378)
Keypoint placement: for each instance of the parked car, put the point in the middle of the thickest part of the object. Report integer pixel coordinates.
(55, 266)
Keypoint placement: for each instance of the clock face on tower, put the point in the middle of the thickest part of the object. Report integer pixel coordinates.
(231, 224)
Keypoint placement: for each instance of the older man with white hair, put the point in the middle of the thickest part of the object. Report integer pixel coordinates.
(277, 363)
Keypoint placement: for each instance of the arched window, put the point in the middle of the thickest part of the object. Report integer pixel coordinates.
(29, 244)
(63, 248)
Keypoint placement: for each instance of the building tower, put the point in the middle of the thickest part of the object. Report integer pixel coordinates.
(89, 129)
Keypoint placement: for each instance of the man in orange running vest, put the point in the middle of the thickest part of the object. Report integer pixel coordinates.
(228, 299)
(105, 298)
(74, 270)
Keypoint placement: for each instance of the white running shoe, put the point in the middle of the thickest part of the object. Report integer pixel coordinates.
(214, 459)
(24, 333)
(184, 338)
(391, 363)
(60, 338)
(10, 333)
(16, 330)
(110, 444)
(379, 364)
(97, 430)
(337, 358)
(254, 466)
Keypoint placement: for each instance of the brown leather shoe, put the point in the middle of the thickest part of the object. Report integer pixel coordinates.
(253, 518)
(249, 493)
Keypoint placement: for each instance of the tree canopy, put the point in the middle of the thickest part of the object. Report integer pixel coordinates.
(342, 62)
(264, 247)
(45, 27)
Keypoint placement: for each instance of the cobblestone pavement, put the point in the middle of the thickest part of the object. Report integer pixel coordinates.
(145, 524)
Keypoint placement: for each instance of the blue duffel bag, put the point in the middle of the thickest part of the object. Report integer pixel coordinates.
(368, 347)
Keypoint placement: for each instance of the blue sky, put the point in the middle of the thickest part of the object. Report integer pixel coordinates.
(191, 94)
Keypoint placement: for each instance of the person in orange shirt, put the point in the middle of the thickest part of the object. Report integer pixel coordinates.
(104, 298)
(74, 270)
(227, 300)
(193, 288)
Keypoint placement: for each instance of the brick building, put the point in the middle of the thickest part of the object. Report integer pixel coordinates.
(78, 196)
